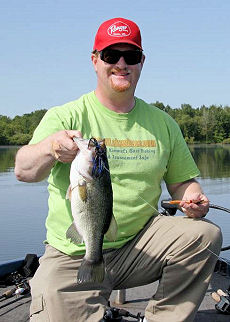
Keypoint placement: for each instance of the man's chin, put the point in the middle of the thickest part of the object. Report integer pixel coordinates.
(121, 87)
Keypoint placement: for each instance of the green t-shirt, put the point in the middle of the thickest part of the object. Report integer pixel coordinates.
(144, 147)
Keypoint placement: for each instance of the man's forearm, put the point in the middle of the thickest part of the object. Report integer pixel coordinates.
(34, 162)
(183, 189)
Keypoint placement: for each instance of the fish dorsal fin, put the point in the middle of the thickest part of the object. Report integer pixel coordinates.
(111, 233)
(74, 235)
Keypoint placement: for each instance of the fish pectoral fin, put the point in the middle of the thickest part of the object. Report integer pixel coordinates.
(82, 190)
(111, 233)
(68, 193)
(73, 235)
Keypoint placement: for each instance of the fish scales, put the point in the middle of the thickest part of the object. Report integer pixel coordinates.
(92, 207)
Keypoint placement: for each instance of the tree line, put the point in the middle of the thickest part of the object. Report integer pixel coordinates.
(203, 124)
(19, 130)
(198, 125)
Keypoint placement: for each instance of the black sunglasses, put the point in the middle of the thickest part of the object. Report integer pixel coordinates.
(112, 56)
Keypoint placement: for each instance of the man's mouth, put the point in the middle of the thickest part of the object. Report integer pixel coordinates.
(120, 73)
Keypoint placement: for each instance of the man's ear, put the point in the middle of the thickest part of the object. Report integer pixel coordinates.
(142, 60)
(94, 58)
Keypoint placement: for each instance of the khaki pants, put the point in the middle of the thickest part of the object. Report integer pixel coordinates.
(178, 251)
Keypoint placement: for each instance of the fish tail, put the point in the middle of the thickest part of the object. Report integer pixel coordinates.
(91, 272)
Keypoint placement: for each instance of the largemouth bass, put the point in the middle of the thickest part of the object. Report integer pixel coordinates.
(91, 197)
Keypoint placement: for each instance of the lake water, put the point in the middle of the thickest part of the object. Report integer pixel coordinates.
(23, 206)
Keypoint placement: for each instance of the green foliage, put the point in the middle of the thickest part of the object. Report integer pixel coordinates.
(204, 124)
(226, 141)
(201, 125)
(20, 139)
(19, 130)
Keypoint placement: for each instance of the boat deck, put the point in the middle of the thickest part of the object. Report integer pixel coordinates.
(137, 299)
(17, 309)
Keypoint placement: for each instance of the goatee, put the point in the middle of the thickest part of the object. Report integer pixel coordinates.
(120, 87)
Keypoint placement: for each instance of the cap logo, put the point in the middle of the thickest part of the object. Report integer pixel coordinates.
(119, 29)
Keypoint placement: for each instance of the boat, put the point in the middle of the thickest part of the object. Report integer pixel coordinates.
(130, 302)
(15, 308)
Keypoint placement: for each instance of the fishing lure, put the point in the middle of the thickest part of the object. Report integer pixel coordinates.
(99, 159)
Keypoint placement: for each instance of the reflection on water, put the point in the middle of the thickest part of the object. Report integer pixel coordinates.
(7, 157)
(213, 161)
(24, 205)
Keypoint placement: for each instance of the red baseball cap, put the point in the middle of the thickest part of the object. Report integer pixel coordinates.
(117, 30)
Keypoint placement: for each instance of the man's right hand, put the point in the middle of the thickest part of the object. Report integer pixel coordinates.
(34, 162)
(63, 148)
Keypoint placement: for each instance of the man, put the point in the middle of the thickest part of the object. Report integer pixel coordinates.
(145, 146)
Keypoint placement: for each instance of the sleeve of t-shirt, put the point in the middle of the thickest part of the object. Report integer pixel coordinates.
(181, 165)
(51, 122)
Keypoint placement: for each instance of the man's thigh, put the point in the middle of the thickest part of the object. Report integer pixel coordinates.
(56, 296)
(142, 260)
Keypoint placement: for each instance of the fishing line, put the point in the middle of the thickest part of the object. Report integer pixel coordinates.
(181, 230)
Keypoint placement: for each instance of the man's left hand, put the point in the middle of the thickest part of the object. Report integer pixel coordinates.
(196, 205)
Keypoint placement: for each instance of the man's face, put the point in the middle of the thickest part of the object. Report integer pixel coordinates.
(118, 77)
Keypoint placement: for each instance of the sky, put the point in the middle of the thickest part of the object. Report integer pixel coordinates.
(45, 50)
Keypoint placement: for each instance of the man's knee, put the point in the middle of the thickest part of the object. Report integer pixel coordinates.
(210, 232)
(206, 233)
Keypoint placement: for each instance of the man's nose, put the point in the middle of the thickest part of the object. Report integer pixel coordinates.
(121, 63)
